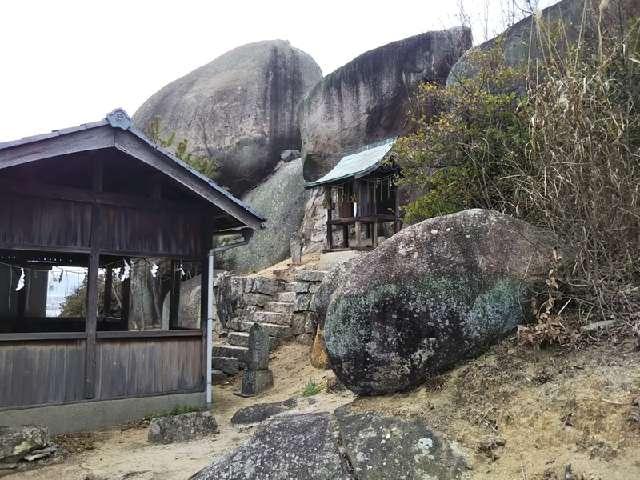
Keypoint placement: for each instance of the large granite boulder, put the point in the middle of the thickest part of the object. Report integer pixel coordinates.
(432, 295)
(366, 99)
(521, 42)
(240, 108)
(281, 199)
(295, 446)
(346, 446)
(381, 448)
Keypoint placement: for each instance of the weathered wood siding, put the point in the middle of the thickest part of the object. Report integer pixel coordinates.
(29, 222)
(132, 230)
(129, 368)
(41, 372)
(34, 222)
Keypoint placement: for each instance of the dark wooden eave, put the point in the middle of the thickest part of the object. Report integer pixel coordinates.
(117, 131)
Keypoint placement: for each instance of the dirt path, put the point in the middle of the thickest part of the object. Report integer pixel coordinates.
(550, 408)
(126, 454)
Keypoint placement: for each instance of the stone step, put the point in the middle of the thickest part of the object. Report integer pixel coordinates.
(230, 351)
(218, 377)
(228, 365)
(298, 287)
(279, 307)
(288, 297)
(239, 339)
(272, 329)
(310, 275)
(272, 317)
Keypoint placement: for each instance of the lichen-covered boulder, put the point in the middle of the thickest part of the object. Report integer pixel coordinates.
(347, 445)
(366, 100)
(240, 109)
(17, 443)
(381, 447)
(436, 293)
(295, 446)
(182, 428)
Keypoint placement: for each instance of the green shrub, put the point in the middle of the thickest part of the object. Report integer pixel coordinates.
(465, 139)
(311, 389)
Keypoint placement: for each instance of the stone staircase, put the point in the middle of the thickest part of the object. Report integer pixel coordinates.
(282, 306)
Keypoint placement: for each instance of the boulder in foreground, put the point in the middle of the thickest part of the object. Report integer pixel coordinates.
(436, 293)
(346, 446)
(182, 428)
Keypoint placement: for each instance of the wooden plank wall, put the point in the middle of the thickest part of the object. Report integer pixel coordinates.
(41, 372)
(158, 232)
(137, 367)
(28, 221)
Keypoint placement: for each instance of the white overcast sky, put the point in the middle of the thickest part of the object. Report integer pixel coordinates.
(66, 62)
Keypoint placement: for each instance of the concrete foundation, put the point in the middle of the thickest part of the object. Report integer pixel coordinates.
(87, 416)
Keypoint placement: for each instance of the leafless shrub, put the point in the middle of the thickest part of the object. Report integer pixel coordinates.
(581, 174)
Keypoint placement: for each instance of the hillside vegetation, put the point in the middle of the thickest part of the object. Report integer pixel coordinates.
(554, 141)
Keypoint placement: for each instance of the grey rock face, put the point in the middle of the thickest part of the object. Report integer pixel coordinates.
(436, 293)
(381, 448)
(296, 446)
(181, 428)
(280, 198)
(260, 412)
(366, 99)
(347, 446)
(521, 42)
(240, 108)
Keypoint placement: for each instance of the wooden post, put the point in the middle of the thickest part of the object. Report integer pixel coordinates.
(92, 284)
(174, 299)
(396, 210)
(329, 199)
(358, 233)
(207, 243)
(108, 287)
(375, 215)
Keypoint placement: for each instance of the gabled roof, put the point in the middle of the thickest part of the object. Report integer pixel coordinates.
(117, 131)
(356, 165)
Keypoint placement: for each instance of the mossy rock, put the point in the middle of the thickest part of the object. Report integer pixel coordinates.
(439, 292)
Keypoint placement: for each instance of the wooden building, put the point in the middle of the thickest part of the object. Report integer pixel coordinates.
(103, 197)
(361, 198)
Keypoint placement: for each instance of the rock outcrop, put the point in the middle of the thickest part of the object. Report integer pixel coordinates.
(281, 200)
(346, 446)
(434, 294)
(24, 444)
(521, 42)
(365, 100)
(239, 109)
(182, 428)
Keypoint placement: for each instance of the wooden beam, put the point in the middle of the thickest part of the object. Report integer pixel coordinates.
(329, 200)
(108, 287)
(131, 144)
(174, 299)
(396, 210)
(375, 215)
(204, 300)
(71, 194)
(92, 284)
(55, 145)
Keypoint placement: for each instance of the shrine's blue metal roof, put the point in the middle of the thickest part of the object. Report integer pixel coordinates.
(357, 165)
